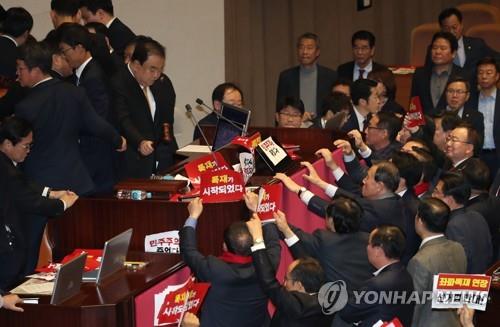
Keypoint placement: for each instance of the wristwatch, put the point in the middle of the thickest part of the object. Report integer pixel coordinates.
(302, 189)
(258, 241)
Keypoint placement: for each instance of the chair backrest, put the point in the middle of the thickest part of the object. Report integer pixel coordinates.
(478, 14)
(490, 33)
(421, 37)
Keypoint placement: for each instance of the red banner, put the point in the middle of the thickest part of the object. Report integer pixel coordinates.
(269, 201)
(207, 163)
(249, 142)
(221, 186)
(415, 114)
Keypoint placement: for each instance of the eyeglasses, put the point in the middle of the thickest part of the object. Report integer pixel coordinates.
(459, 92)
(455, 139)
(63, 51)
(287, 114)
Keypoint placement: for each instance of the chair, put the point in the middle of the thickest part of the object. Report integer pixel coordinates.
(421, 37)
(490, 33)
(478, 14)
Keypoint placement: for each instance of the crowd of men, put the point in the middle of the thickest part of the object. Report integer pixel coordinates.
(90, 105)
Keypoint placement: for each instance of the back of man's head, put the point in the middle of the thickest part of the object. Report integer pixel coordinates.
(336, 102)
(346, 214)
(409, 167)
(388, 174)
(65, 7)
(362, 89)
(13, 129)
(477, 174)
(36, 55)
(309, 273)
(94, 5)
(391, 123)
(238, 239)
(434, 214)
(449, 121)
(454, 185)
(391, 239)
(17, 22)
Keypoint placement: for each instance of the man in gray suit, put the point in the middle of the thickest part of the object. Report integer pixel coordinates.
(436, 255)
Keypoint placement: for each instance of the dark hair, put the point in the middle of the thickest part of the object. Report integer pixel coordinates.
(477, 174)
(409, 167)
(238, 239)
(473, 137)
(310, 36)
(346, 214)
(145, 48)
(342, 81)
(488, 61)
(391, 123)
(391, 239)
(386, 77)
(434, 213)
(335, 102)
(99, 28)
(52, 41)
(36, 54)
(388, 174)
(94, 5)
(452, 40)
(448, 12)
(65, 7)
(75, 34)
(449, 121)
(363, 35)
(454, 185)
(310, 273)
(458, 79)
(362, 89)
(292, 102)
(13, 128)
(218, 93)
(17, 21)
(430, 168)
(426, 131)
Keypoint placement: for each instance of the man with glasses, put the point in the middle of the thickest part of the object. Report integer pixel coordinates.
(457, 95)
(461, 145)
(289, 113)
(363, 50)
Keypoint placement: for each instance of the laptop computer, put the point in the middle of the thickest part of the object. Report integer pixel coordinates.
(113, 257)
(68, 280)
(224, 131)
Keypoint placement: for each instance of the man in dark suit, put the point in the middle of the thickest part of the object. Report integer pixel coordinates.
(470, 49)
(462, 144)
(15, 31)
(75, 44)
(235, 297)
(26, 196)
(457, 96)
(102, 11)
(363, 51)
(296, 300)
(488, 103)
(466, 227)
(144, 108)
(309, 81)
(365, 102)
(385, 247)
(59, 112)
(429, 82)
(481, 201)
(436, 255)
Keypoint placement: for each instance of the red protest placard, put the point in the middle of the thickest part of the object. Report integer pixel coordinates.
(249, 142)
(207, 163)
(174, 301)
(93, 261)
(221, 186)
(415, 114)
(269, 201)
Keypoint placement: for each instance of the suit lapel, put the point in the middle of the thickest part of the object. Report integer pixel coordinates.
(139, 94)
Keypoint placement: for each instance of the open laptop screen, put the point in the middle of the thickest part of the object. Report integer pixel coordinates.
(225, 131)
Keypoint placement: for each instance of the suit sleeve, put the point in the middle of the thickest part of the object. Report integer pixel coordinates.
(355, 312)
(347, 184)
(196, 261)
(318, 206)
(307, 245)
(99, 97)
(454, 233)
(281, 298)
(355, 170)
(272, 241)
(421, 278)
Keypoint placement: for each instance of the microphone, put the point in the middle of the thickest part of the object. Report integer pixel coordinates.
(196, 123)
(201, 103)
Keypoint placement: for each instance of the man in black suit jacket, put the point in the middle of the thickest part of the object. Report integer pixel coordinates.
(75, 44)
(235, 297)
(385, 247)
(309, 81)
(429, 82)
(59, 113)
(466, 227)
(365, 102)
(296, 300)
(24, 196)
(102, 11)
(470, 49)
(363, 50)
(143, 103)
(16, 28)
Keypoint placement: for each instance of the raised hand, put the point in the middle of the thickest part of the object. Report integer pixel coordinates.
(195, 208)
